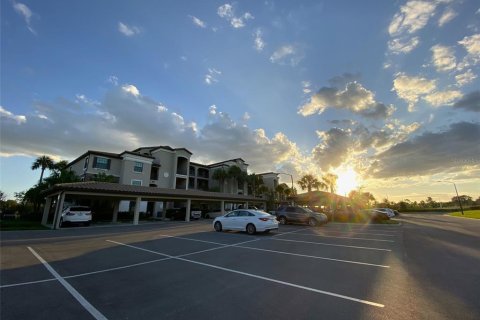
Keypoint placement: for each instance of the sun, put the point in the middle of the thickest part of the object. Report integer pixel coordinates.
(347, 180)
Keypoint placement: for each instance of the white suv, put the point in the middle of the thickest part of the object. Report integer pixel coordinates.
(76, 214)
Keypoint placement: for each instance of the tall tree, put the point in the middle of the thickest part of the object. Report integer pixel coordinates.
(309, 182)
(220, 175)
(43, 162)
(330, 180)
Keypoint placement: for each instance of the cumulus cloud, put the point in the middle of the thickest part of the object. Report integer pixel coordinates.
(125, 119)
(211, 76)
(227, 12)
(448, 15)
(412, 17)
(470, 102)
(427, 154)
(472, 46)
(306, 85)
(8, 116)
(287, 54)
(259, 43)
(113, 80)
(465, 78)
(411, 88)
(398, 46)
(354, 98)
(353, 143)
(26, 13)
(127, 30)
(199, 23)
(442, 98)
(443, 58)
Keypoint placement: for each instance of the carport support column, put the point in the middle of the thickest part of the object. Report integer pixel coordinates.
(245, 206)
(222, 207)
(58, 211)
(136, 214)
(46, 210)
(116, 206)
(187, 213)
(164, 210)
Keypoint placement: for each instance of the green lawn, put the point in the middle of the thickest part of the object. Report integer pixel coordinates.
(6, 225)
(475, 214)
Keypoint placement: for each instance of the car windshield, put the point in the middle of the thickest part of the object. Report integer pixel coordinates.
(79, 209)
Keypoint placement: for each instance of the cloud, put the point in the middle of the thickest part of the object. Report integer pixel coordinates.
(199, 23)
(441, 98)
(430, 153)
(410, 88)
(26, 13)
(413, 16)
(306, 85)
(354, 98)
(287, 54)
(465, 78)
(7, 115)
(227, 12)
(129, 120)
(443, 58)
(127, 30)
(259, 43)
(398, 46)
(472, 45)
(211, 76)
(113, 80)
(470, 102)
(448, 15)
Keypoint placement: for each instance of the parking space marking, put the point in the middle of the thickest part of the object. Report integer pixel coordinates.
(26, 283)
(352, 238)
(331, 244)
(371, 303)
(90, 308)
(315, 257)
(353, 232)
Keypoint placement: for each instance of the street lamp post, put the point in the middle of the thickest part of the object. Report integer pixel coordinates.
(456, 191)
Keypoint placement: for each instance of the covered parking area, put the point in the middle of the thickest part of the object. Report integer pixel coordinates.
(56, 196)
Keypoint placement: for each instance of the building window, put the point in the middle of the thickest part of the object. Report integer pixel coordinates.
(138, 167)
(136, 182)
(101, 163)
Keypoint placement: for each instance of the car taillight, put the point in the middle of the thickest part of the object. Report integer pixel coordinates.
(264, 219)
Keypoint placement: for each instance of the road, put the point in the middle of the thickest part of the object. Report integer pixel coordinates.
(425, 268)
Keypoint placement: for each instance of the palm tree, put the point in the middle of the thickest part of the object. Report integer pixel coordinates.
(43, 162)
(309, 182)
(254, 182)
(330, 180)
(282, 190)
(220, 175)
(237, 175)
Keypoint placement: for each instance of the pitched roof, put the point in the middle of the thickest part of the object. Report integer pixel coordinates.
(132, 191)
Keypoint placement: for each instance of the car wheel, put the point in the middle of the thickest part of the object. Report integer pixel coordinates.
(282, 220)
(251, 229)
(312, 222)
(218, 226)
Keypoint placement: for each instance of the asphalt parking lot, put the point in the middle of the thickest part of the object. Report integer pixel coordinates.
(184, 271)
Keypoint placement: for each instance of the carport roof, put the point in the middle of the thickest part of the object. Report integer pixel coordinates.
(129, 190)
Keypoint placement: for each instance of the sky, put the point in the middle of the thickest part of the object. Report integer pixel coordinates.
(385, 94)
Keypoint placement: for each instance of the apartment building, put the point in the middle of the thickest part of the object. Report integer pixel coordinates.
(162, 167)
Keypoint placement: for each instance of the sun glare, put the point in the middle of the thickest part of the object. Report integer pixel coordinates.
(347, 181)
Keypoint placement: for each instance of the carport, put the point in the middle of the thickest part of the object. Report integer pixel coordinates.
(55, 197)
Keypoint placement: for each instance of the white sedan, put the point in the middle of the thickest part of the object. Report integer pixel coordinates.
(250, 221)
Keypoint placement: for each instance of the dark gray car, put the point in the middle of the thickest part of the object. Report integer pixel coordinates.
(294, 214)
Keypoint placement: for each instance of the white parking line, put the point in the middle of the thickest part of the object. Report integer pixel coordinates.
(91, 309)
(352, 238)
(315, 257)
(351, 232)
(330, 244)
(26, 283)
(258, 277)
